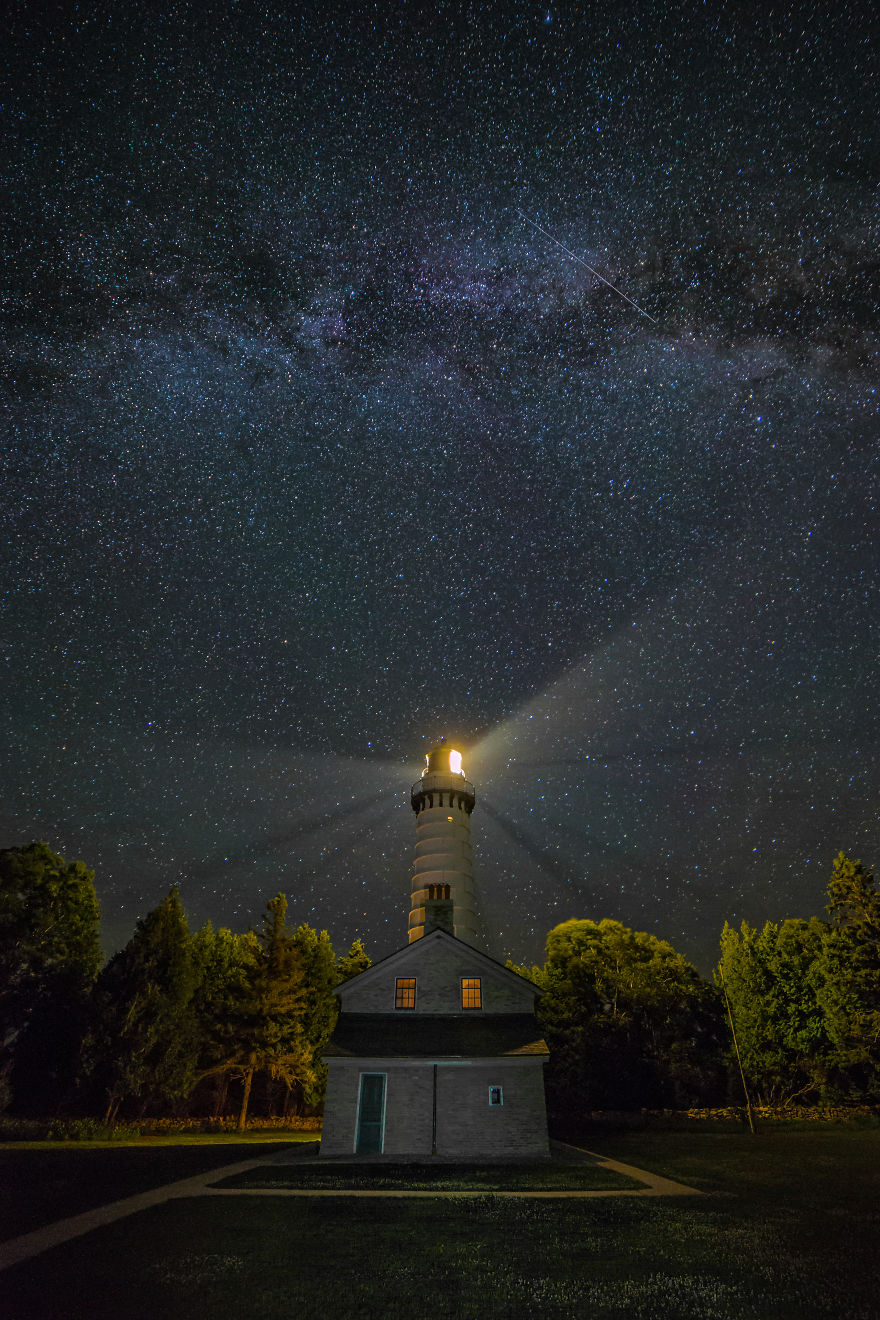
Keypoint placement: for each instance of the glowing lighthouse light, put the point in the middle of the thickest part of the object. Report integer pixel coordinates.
(442, 758)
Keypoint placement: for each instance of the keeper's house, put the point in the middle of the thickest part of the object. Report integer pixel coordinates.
(437, 1050)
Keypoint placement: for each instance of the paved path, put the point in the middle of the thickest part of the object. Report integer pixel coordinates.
(53, 1235)
(655, 1185)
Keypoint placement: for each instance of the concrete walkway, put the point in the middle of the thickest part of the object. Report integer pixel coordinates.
(53, 1235)
(655, 1185)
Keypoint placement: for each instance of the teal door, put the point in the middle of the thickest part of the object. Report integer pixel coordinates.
(371, 1113)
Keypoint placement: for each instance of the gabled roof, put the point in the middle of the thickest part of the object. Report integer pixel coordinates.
(413, 953)
(396, 1035)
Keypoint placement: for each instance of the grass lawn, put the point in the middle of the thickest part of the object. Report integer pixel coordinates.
(44, 1181)
(788, 1230)
(437, 1177)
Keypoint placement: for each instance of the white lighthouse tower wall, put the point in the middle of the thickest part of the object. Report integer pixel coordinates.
(443, 800)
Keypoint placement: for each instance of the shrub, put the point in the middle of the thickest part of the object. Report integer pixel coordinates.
(92, 1129)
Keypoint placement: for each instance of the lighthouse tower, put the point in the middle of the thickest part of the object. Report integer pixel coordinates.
(443, 799)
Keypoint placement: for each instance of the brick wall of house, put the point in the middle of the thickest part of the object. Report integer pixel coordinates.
(408, 1109)
(340, 1110)
(438, 968)
(467, 1125)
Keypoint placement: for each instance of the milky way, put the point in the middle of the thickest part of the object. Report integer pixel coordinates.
(316, 449)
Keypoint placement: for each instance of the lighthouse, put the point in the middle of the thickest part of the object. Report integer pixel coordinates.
(437, 1050)
(443, 799)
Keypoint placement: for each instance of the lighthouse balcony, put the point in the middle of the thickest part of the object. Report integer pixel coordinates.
(446, 790)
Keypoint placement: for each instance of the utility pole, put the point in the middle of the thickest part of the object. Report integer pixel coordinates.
(736, 1047)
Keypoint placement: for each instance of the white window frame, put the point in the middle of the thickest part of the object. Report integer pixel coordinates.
(415, 981)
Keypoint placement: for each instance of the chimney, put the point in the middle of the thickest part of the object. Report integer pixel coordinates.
(439, 909)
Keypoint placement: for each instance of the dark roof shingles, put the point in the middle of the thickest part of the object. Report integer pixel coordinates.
(423, 1035)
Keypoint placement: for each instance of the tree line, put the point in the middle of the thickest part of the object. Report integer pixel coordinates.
(175, 1022)
(631, 1024)
(204, 1022)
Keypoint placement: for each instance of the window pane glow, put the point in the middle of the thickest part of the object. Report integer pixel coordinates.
(471, 992)
(405, 992)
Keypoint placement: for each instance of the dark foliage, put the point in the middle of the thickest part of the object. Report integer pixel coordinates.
(629, 1022)
(215, 1022)
(49, 955)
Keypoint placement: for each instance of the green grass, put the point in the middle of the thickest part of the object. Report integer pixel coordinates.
(153, 1140)
(823, 1170)
(43, 1182)
(787, 1230)
(436, 1177)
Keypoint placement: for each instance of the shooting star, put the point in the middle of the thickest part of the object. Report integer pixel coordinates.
(581, 262)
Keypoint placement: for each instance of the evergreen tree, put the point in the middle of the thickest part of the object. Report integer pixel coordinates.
(49, 956)
(774, 978)
(144, 1043)
(225, 965)
(320, 1010)
(271, 1037)
(351, 964)
(322, 971)
(265, 1003)
(853, 900)
(851, 983)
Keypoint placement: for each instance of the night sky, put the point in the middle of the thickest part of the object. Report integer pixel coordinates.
(315, 449)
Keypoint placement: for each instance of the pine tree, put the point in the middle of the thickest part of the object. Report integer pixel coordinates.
(774, 979)
(853, 899)
(225, 963)
(354, 962)
(265, 1004)
(320, 1010)
(143, 1045)
(851, 993)
(271, 1036)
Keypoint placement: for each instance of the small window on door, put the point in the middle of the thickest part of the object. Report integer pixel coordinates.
(471, 992)
(405, 992)
(496, 1095)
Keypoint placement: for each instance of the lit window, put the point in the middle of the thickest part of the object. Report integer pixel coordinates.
(496, 1095)
(471, 993)
(405, 992)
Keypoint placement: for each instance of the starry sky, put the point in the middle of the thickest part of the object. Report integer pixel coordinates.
(316, 448)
